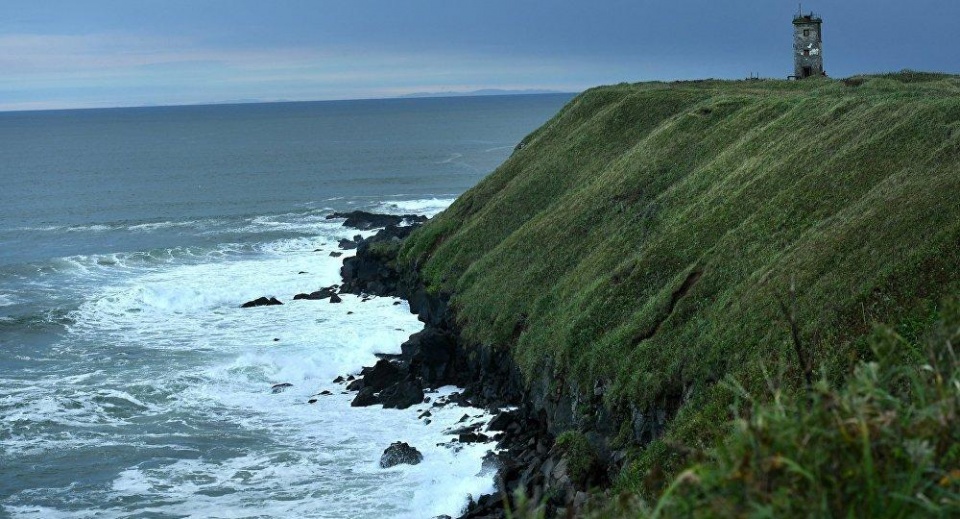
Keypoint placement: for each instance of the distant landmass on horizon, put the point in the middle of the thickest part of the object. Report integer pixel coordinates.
(482, 92)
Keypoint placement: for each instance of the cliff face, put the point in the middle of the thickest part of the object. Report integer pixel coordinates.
(653, 240)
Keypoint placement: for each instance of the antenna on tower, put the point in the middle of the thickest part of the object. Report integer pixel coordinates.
(800, 7)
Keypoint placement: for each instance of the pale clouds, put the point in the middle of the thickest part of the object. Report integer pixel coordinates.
(63, 71)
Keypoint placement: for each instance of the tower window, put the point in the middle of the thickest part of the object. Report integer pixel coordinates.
(806, 32)
(806, 52)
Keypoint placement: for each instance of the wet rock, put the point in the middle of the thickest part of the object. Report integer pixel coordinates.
(347, 244)
(384, 373)
(401, 395)
(339, 380)
(261, 301)
(487, 507)
(473, 437)
(364, 221)
(280, 388)
(326, 392)
(312, 401)
(334, 298)
(400, 453)
(336, 254)
(366, 397)
(501, 422)
(433, 355)
(323, 293)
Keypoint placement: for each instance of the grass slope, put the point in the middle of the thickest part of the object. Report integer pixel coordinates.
(643, 237)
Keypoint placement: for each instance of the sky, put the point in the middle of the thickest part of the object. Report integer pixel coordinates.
(98, 53)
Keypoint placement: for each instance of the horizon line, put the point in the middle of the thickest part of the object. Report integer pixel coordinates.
(402, 97)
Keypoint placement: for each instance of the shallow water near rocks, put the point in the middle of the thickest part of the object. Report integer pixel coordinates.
(133, 385)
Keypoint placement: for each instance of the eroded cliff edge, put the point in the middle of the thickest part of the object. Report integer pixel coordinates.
(652, 241)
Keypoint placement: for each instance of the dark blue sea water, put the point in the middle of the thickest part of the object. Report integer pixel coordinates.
(132, 385)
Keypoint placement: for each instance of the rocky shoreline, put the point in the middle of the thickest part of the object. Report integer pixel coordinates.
(528, 458)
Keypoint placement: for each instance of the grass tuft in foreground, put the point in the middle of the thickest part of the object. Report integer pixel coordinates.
(884, 445)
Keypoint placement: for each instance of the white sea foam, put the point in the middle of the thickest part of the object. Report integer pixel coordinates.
(89, 228)
(167, 225)
(429, 206)
(168, 343)
(8, 300)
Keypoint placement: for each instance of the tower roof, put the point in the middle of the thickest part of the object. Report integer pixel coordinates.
(804, 19)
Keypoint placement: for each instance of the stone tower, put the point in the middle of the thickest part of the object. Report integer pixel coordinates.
(807, 46)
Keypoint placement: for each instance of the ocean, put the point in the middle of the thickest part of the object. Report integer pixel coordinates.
(133, 385)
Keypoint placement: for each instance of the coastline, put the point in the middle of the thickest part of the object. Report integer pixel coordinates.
(527, 457)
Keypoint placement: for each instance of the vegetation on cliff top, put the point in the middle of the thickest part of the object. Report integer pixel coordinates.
(644, 242)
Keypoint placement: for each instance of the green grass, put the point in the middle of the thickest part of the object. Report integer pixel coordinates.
(885, 444)
(580, 455)
(642, 238)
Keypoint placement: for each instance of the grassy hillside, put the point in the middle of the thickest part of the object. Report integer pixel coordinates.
(643, 240)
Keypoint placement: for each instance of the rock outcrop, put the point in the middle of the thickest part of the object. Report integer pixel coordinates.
(400, 453)
(365, 221)
(261, 301)
(528, 460)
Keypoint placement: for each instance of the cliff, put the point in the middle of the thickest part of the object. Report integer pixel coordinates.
(653, 242)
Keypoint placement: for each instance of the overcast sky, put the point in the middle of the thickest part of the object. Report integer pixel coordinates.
(88, 53)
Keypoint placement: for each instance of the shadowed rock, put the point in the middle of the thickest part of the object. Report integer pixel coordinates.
(364, 221)
(261, 301)
(323, 293)
(400, 453)
(280, 388)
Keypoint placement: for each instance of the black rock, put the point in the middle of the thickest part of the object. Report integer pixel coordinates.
(402, 395)
(323, 293)
(312, 401)
(370, 271)
(336, 254)
(399, 453)
(501, 422)
(366, 397)
(280, 388)
(346, 244)
(432, 354)
(355, 385)
(261, 301)
(339, 380)
(473, 437)
(384, 373)
(334, 298)
(364, 221)
(325, 392)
